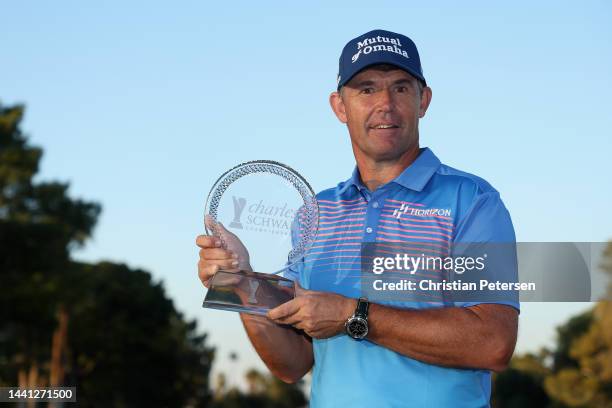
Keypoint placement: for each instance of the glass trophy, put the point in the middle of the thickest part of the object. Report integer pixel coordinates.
(267, 215)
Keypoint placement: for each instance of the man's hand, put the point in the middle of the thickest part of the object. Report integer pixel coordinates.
(213, 256)
(285, 351)
(318, 314)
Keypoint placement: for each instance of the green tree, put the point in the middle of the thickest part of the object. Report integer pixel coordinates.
(567, 334)
(577, 373)
(39, 224)
(128, 346)
(588, 382)
(106, 329)
(521, 385)
(265, 391)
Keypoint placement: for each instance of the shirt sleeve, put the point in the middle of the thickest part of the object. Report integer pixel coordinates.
(486, 230)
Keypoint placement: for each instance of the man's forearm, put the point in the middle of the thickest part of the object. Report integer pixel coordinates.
(481, 336)
(286, 351)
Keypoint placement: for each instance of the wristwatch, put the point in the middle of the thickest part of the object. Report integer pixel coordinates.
(357, 325)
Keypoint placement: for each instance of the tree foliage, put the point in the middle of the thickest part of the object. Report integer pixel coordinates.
(128, 346)
(265, 391)
(38, 225)
(577, 373)
(107, 329)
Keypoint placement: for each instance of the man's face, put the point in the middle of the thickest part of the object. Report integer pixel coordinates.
(381, 108)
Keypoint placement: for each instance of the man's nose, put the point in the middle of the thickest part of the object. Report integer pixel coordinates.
(384, 102)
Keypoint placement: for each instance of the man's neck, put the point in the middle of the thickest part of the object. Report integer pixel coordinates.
(376, 173)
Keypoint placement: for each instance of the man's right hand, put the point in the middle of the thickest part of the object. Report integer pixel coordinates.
(214, 256)
(286, 351)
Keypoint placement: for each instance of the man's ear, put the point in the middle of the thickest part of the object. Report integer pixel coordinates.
(425, 101)
(337, 105)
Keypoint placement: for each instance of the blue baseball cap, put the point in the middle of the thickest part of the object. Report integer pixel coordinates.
(379, 47)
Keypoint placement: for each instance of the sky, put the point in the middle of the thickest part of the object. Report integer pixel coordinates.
(142, 105)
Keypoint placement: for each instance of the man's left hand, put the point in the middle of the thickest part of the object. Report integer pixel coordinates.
(318, 314)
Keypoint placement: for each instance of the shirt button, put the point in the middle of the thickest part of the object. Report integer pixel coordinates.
(375, 204)
(369, 230)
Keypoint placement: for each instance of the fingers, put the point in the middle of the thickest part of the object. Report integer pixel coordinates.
(227, 264)
(211, 249)
(294, 320)
(282, 313)
(294, 316)
(218, 256)
(206, 271)
(213, 254)
(285, 310)
(213, 258)
(207, 241)
(295, 313)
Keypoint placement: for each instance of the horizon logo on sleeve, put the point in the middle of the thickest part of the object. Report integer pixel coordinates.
(420, 212)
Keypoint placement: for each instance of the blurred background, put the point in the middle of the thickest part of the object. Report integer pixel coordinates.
(116, 119)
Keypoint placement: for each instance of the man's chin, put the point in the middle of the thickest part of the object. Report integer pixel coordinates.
(391, 154)
(388, 156)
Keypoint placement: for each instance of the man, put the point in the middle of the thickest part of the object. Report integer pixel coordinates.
(419, 354)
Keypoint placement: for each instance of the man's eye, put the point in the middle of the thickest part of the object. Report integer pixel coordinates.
(402, 89)
(367, 91)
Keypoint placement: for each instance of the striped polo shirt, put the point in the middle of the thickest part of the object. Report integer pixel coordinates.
(433, 205)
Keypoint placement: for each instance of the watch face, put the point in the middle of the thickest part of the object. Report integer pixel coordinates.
(357, 328)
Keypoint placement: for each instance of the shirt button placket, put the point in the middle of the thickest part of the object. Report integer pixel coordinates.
(373, 214)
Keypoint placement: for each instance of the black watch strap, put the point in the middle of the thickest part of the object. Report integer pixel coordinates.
(362, 307)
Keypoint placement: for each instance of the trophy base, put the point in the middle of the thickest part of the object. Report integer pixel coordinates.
(247, 292)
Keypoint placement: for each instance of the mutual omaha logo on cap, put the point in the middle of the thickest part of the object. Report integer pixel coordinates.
(377, 44)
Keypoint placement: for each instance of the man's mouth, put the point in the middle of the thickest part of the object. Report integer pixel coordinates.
(384, 126)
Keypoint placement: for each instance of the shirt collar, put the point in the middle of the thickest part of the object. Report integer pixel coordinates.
(414, 177)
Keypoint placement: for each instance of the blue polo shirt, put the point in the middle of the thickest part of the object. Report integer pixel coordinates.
(439, 206)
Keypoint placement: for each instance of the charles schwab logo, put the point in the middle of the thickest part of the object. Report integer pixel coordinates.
(261, 216)
(379, 43)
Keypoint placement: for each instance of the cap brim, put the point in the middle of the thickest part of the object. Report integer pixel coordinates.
(385, 61)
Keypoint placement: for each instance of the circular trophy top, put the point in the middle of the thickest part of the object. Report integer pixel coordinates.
(265, 212)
